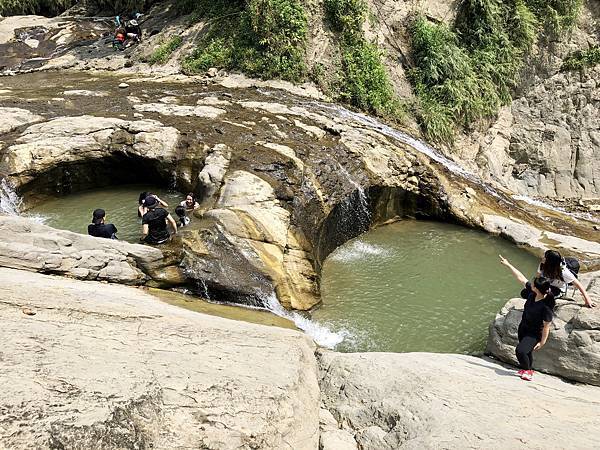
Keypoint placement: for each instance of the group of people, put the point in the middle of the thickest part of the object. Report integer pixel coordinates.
(128, 31)
(156, 220)
(552, 281)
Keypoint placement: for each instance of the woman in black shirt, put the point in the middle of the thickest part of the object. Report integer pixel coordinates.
(535, 323)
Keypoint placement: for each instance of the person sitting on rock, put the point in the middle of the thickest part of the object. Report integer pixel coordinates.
(535, 324)
(181, 214)
(100, 229)
(190, 203)
(554, 268)
(142, 209)
(155, 223)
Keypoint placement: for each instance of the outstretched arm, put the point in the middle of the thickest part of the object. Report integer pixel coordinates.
(588, 301)
(518, 275)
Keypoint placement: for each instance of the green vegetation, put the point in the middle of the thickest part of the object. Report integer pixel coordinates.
(45, 7)
(363, 80)
(464, 73)
(264, 38)
(582, 59)
(54, 7)
(162, 54)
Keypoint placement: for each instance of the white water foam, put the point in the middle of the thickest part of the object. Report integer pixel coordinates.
(357, 250)
(318, 332)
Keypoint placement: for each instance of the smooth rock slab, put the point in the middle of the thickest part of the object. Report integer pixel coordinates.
(424, 401)
(106, 367)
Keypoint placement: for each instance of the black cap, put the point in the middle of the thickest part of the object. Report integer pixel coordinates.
(98, 215)
(150, 201)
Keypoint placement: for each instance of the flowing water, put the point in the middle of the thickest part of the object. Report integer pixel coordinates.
(418, 286)
(74, 212)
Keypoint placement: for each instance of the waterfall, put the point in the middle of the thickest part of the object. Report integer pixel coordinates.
(322, 335)
(364, 213)
(10, 202)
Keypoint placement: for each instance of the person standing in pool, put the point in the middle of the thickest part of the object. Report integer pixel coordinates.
(100, 229)
(190, 203)
(142, 209)
(534, 328)
(181, 214)
(554, 268)
(155, 223)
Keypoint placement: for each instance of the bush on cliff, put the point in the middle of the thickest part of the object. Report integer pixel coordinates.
(463, 73)
(265, 38)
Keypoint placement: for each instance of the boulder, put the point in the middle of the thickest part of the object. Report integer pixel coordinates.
(27, 245)
(421, 400)
(12, 118)
(573, 347)
(106, 367)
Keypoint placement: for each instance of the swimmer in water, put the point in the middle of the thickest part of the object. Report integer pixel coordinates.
(190, 203)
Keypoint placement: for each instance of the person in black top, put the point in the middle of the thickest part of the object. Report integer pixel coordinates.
(100, 229)
(154, 223)
(535, 323)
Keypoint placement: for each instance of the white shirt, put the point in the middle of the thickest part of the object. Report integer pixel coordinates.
(567, 278)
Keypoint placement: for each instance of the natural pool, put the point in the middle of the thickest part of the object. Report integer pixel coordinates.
(74, 212)
(418, 286)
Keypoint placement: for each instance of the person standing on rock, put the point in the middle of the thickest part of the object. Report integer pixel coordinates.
(100, 229)
(155, 223)
(555, 269)
(535, 323)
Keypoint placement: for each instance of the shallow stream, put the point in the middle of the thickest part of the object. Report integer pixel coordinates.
(418, 286)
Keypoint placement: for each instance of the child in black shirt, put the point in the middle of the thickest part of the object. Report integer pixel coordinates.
(535, 323)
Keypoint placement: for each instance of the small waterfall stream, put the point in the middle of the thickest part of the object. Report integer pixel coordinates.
(10, 202)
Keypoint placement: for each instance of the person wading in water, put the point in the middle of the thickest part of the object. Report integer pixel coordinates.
(535, 323)
(100, 229)
(154, 223)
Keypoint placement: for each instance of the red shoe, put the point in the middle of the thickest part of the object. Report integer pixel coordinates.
(527, 375)
(519, 373)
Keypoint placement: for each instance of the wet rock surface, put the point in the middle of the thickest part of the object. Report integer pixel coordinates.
(420, 400)
(573, 347)
(107, 366)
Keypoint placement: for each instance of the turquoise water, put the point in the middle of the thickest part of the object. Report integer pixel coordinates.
(418, 286)
(74, 212)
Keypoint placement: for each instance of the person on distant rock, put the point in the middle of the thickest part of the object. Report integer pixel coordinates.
(181, 214)
(134, 30)
(155, 223)
(535, 323)
(553, 267)
(100, 229)
(190, 203)
(142, 209)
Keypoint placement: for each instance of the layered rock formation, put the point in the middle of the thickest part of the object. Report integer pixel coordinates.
(28, 245)
(573, 347)
(106, 366)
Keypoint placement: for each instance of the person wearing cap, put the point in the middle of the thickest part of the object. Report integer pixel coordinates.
(155, 223)
(100, 229)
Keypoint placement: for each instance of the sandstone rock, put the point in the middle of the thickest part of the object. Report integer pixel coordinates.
(180, 110)
(12, 118)
(420, 400)
(337, 440)
(212, 72)
(573, 347)
(67, 140)
(123, 86)
(31, 246)
(106, 366)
